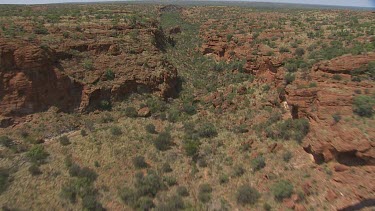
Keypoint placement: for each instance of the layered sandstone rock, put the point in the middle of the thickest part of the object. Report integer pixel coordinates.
(329, 140)
(33, 78)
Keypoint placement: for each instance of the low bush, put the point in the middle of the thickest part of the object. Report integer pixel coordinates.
(139, 162)
(129, 196)
(109, 74)
(150, 128)
(282, 189)
(363, 105)
(287, 156)
(105, 105)
(189, 108)
(289, 78)
(145, 203)
(34, 170)
(131, 112)
(337, 77)
(149, 184)
(116, 130)
(182, 191)
(295, 129)
(284, 50)
(207, 130)
(300, 52)
(163, 141)
(64, 140)
(37, 154)
(170, 181)
(204, 194)
(223, 178)
(173, 203)
(6, 142)
(85, 172)
(258, 163)
(247, 195)
(87, 64)
(191, 147)
(336, 117)
(166, 168)
(238, 171)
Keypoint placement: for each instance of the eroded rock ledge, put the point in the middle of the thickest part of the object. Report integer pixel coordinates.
(34, 78)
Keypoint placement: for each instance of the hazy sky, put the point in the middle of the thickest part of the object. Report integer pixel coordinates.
(359, 3)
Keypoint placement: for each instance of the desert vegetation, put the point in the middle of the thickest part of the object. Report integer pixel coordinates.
(195, 107)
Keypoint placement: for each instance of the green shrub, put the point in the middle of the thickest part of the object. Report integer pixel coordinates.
(219, 67)
(131, 112)
(229, 37)
(291, 67)
(223, 178)
(109, 74)
(266, 88)
(267, 207)
(83, 133)
(150, 128)
(283, 50)
(170, 181)
(105, 105)
(182, 191)
(66, 34)
(173, 115)
(149, 184)
(207, 130)
(6, 142)
(371, 70)
(163, 141)
(337, 77)
(238, 171)
(247, 195)
(69, 192)
(116, 130)
(289, 78)
(173, 203)
(295, 129)
(64, 140)
(287, 156)
(258, 163)
(282, 189)
(156, 105)
(312, 85)
(166, 168)
(191, 147)
(189, 108)
(300, 52)
(336, 117)
(85, 172)
(129, 196)
(34, 170)
(145, 203)
(74, 170)
(87, 64)
(204, 194)
(40, 29)
(139, 162)
(89, 202)
(37, 154)
(363, 105)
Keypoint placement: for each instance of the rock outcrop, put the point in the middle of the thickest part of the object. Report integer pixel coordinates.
(35, 77)
(330, 140)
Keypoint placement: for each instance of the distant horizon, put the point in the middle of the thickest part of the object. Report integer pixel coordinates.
(342, 3)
